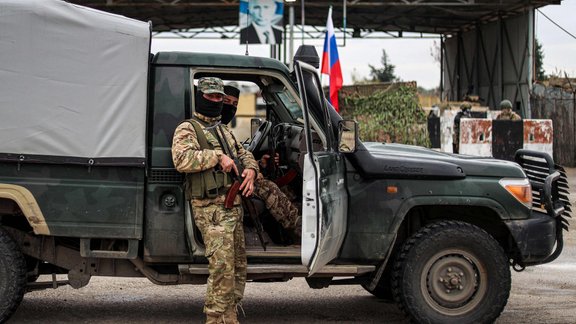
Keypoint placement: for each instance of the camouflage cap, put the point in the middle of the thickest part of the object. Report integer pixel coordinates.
(506, 104)
(465, 106)
(211, 85)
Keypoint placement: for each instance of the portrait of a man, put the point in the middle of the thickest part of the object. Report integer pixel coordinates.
(261, 21)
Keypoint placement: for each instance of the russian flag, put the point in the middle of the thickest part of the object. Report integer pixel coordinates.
(331, 62)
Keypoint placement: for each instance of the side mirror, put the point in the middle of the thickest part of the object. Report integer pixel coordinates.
(254, 125)
(347, 136)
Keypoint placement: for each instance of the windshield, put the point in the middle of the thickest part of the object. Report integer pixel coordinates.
(291, 104)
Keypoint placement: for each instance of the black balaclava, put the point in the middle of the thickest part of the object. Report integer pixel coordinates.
(207, 107)
(229, 111)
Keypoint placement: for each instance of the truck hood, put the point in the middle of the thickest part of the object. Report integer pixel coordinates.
(405, 161)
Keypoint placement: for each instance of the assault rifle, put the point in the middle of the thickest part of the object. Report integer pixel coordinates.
(237, 181)
(277, 142)
(233, 191)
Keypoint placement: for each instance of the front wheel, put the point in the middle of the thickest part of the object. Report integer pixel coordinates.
(451, 272)
(12, 276)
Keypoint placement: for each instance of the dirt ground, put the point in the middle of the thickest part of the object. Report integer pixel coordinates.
(541, 294)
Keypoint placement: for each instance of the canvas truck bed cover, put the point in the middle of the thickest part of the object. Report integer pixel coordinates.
(73, 82)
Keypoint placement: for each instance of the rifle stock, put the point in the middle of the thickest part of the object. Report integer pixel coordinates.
(233, 191)
(231, 194)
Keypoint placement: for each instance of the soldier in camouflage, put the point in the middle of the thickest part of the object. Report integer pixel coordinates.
(465, 112)
(507, 113)
(276, 201)
(197, 152)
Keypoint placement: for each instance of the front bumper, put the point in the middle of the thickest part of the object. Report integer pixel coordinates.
(535, 238)
(539, 238)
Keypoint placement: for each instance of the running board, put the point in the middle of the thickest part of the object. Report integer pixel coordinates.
(292, 269)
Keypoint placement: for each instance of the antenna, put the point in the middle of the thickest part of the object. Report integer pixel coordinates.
(247, 25)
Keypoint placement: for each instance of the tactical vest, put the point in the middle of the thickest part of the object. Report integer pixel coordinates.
(208, 183)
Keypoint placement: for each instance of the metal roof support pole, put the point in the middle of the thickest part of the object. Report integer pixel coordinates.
(452, 77)
(513, 60)
(458, 66)
(302, 14)
(468, 68)
(284, 46)
(442, 97)
(478, 58)
(291, 31)
(500, 61)
(490, 70)
(531, 61)
(344, 20)
(518, 68)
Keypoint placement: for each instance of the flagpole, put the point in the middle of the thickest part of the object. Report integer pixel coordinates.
(326, 39)
(331, 61)
(344, 21)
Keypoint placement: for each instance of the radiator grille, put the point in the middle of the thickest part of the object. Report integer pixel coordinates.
(538, 166)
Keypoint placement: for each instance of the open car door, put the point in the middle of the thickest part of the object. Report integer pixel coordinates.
(324, 196)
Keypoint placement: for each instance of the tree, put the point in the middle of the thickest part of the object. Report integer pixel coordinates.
(384, 74)
(539, 61)
(435, 52)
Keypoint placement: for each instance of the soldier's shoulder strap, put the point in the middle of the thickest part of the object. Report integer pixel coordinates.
(198, 128)
(225, 128)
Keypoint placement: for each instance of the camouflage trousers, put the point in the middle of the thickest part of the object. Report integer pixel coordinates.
(278, 204)
(223, 235)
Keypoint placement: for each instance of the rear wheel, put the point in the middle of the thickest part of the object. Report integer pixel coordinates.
(451, 272)
(12, 276)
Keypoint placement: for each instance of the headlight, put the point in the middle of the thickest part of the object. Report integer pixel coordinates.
(520, 189)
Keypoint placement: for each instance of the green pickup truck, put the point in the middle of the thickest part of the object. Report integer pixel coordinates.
(88, 188)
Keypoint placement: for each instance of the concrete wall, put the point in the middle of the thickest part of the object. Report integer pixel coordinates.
(500, 139)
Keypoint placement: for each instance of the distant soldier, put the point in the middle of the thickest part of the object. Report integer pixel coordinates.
(465, 112)
(507, 113)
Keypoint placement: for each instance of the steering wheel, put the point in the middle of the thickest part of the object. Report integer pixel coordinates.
(259, 136)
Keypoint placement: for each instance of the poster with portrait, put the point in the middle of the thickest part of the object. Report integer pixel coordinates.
(261, 21)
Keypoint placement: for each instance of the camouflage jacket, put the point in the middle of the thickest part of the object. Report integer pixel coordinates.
(189, 157)
(505, 115)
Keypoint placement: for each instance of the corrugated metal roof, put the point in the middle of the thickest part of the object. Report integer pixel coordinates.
(425, 16)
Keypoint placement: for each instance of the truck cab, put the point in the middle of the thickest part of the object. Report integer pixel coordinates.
(289, 126)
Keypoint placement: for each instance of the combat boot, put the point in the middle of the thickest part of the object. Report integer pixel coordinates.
(215, 319)
(231, 316)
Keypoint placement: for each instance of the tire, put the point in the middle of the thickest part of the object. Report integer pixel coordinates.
(12, 276)
(451, 272)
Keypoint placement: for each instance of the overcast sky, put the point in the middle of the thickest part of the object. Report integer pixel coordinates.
(411, 57)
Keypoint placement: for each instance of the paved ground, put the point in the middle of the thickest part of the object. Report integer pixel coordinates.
(541, 294)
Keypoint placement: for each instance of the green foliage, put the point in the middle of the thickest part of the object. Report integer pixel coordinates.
(539, 62)
(384, 74)
(391, 116)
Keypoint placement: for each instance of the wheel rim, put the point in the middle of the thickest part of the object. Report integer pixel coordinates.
(453, 282)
